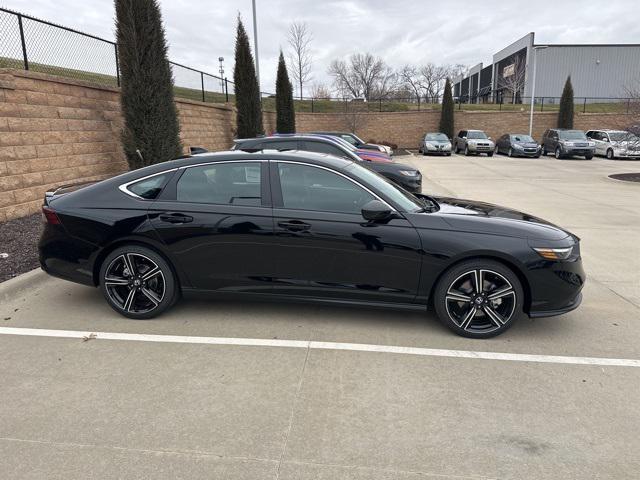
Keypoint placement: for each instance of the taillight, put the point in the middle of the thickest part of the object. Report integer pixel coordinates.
(50, 216)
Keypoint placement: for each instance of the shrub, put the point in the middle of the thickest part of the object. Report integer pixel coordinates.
(446, 116)
(247, 90)
(565, 114)
(285, 113)
(150, 115)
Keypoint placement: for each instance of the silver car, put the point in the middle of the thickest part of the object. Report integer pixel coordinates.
(473, 141)
(435, 143)
(615, 143)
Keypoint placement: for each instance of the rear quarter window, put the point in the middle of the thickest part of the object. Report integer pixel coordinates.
(151, 187)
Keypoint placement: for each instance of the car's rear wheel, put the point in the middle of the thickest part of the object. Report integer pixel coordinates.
(610, 153)
(479, 298)
(137, 282)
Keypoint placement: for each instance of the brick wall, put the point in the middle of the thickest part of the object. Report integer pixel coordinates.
(55, 131)
(406, 128)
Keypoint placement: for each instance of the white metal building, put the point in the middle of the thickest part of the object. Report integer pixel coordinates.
(598, 72)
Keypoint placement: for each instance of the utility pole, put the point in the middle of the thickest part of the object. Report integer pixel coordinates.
(533, 85)
(255, 42)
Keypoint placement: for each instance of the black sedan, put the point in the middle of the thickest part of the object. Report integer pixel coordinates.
(305, 226)
(518, 145)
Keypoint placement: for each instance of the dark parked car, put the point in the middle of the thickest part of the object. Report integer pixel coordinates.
(404, 175)
(565, 143)
(305, 226)
(518, 145)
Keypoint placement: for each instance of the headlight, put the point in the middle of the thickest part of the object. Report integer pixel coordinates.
(409, 173)
(567, 144)
(519, 147)
(447, 145)
(554, 253)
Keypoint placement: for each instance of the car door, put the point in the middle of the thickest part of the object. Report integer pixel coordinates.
(325, 247)
(602, 143)
(216, 221)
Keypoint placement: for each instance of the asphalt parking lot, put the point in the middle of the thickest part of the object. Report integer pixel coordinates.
(193, 395)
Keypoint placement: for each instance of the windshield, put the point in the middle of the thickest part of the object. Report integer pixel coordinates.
(623, 137)
(436, 136)
(476, 135)
(342, 142)
(522, 138)
(402, 198)
(572, 135)
(348, 138)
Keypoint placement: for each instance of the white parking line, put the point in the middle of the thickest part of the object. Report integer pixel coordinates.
(355, 347)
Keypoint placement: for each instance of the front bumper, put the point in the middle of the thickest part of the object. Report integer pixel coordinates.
(527, 152)
(482, 148)
(633, 154)
(578, 151)
(440, 149)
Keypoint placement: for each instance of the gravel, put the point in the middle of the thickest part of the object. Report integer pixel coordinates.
(19, 245)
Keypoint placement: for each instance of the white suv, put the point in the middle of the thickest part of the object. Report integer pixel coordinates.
(615, 143)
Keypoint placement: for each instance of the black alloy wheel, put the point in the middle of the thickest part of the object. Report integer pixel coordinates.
(137, 282)
(479, 298)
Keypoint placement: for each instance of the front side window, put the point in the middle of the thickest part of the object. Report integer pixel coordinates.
(311, 188)
(320, 147)
(236, 183)
(151, 187)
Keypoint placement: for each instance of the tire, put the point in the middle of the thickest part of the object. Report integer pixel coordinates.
(456, 150)
(138, 297)
(610, 153)
(466, 151)
(558, 153)
(496, 150)
(544, 151)
(489, 154)
(448, 154)
(510, 152)
(482, 318)
(588, 157)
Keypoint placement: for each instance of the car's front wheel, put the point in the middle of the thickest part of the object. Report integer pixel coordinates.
(558, 153)
(466, 150)
(479, 298)
(137, 282)
(610, 153)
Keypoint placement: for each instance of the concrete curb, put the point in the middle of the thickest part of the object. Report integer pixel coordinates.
(16, 285)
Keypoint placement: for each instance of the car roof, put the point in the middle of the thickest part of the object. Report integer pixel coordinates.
(292, 136)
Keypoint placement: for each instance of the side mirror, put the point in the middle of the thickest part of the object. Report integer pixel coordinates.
(464, 138)
(488, 138)
(375, 211)
(605, 139)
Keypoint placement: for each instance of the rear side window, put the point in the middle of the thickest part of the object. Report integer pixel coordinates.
(150, 188)
(237, 183)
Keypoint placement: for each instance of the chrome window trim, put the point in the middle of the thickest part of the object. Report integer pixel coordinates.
(377, 197)
(124, 187)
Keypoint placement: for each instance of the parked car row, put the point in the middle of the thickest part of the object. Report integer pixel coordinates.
(559, 142)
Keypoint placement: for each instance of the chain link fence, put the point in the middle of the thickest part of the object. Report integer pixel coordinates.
(40, 46)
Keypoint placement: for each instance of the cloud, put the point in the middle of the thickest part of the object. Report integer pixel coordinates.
(402, 31)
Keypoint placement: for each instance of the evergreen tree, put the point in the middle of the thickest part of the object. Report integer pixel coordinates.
(446, 116)
(150, 114)
(247, 90)
(565, 114)
(285, 113)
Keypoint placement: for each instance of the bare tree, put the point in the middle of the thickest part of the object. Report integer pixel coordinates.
(513, 78)
(432, 78)
(630, 123)
(410, 80)
(319, 91)
(299, 38)
(362, 76)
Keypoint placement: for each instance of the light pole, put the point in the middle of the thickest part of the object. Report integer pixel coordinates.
(221, 70)
(533, 84)
(255, 42)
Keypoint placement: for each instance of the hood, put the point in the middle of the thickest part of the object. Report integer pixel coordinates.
(470, 215)
(373, 156)
(527, 144)
(437, 141)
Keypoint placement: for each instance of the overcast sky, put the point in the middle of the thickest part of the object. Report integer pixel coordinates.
(400, 31)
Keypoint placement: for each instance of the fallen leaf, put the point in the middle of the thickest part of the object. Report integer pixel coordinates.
(91, 336)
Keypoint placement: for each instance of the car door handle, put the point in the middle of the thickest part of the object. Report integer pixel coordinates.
(175, 218)
(294, 225)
